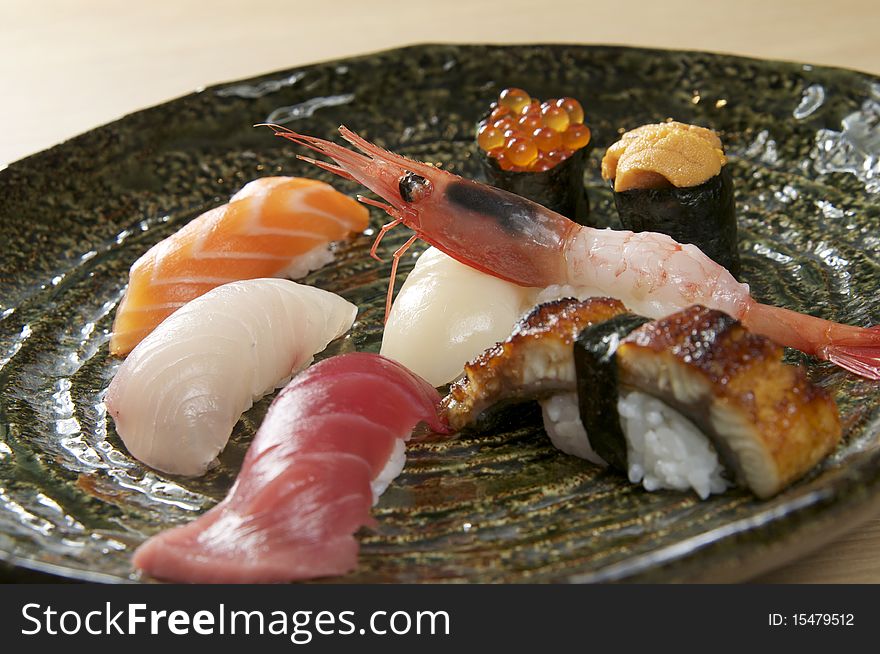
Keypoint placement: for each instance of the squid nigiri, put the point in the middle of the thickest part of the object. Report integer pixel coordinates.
(330, 443)
(273, 227)
(447, 313)
(178, 395)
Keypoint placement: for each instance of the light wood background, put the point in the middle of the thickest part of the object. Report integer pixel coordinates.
(68, 66)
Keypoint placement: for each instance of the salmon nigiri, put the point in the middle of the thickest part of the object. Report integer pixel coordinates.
(273, 227)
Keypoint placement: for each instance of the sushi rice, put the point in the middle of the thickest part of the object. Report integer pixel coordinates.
(389, 473)
(664, 449)
(563, 424)
(302, 265)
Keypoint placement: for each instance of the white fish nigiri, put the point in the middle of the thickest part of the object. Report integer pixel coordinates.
(447, 313)
(180, 392)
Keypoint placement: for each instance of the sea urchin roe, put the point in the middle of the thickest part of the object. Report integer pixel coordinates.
(663, 155)
(536, 135)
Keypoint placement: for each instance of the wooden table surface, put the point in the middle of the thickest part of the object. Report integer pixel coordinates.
(66, 67)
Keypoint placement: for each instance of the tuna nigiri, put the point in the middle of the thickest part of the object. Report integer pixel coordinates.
(330, 443)
(273, 227)
(180, 392)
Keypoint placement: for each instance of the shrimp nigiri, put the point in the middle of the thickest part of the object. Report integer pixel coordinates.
(273, 227)
(522, 242)
(331, 443)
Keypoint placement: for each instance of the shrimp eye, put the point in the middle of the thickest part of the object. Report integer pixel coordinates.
(414, 188)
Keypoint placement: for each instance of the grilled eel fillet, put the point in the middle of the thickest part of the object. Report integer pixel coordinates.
(534, 361)
(769, 423)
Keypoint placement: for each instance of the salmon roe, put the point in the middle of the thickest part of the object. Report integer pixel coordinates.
(498, 113)
(530, 122)
(524, 134)
(573, 108)
(576, 137)
(521, 151)
(554, 117)
(547, 139)
(489, 138)
(513, 99)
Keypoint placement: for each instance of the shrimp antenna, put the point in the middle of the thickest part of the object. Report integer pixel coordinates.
(347, 161)
(327, 166)
(375, 152)
(356, 166)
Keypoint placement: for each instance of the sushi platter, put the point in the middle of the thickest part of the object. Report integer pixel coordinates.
(623, 333)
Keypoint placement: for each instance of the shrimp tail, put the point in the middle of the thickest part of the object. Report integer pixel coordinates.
(863, 361)
(856, 349)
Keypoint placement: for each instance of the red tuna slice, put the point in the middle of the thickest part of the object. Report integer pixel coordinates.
(359, 362)
(391, 407)
(304, 487)
(323, 433)
(295, 528)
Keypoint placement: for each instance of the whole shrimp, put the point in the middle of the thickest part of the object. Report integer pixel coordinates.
(522, 242)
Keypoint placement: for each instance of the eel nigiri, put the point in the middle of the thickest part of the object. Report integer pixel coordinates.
(178, 395)
(692, 400)
(331, 442)
(273, 227)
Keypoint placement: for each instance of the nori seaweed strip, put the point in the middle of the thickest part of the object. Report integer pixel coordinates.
(597, 389)
(560, 189)
(703, 215)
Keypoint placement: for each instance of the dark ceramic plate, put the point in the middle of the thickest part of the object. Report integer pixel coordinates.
(503, 507)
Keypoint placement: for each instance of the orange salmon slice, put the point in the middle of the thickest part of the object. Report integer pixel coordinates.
(261, 232)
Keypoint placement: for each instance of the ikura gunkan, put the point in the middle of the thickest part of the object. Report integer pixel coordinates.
(537, 150)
